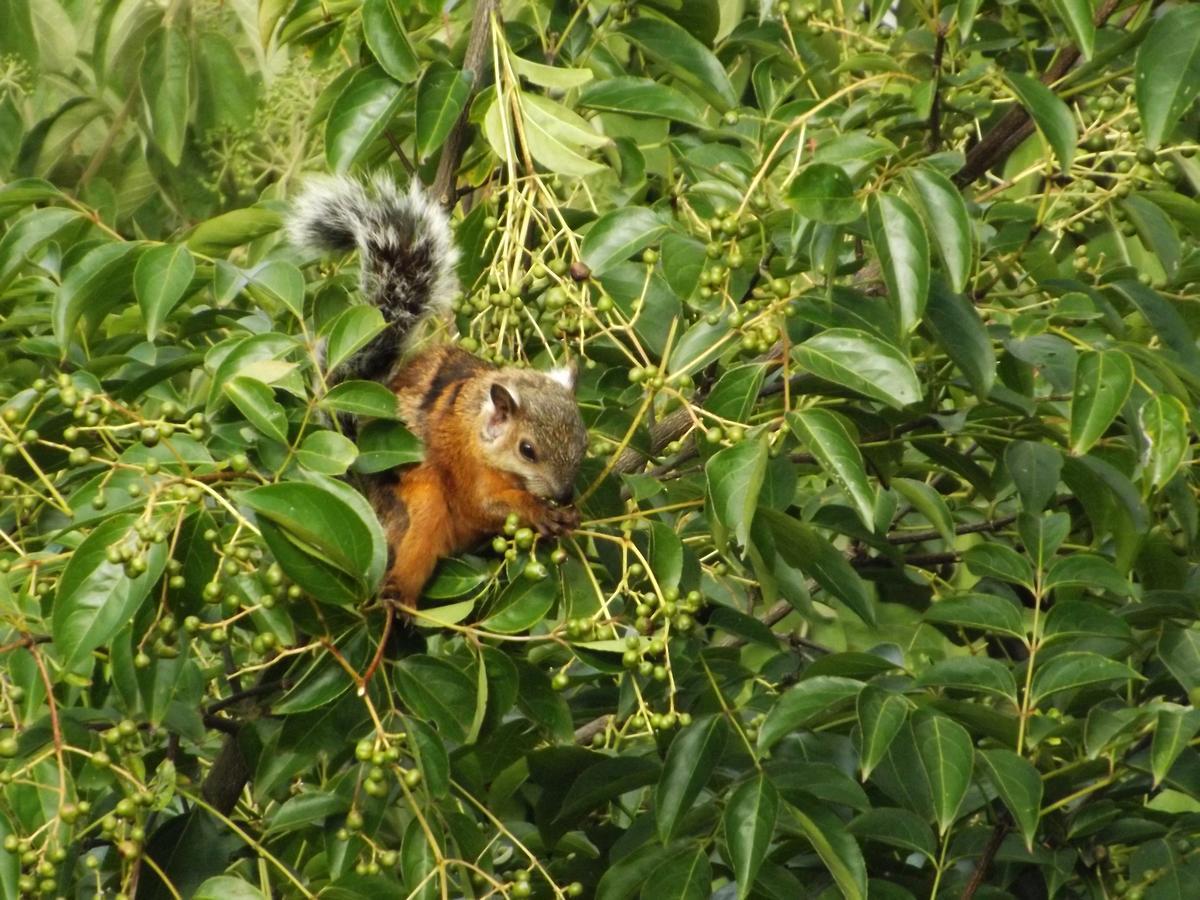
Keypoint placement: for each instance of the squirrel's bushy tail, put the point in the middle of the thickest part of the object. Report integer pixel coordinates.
(406, 254)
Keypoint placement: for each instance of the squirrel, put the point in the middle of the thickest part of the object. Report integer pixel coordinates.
(498, 440)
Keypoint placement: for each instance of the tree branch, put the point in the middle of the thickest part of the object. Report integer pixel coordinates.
(1016, 125)
(474, 65)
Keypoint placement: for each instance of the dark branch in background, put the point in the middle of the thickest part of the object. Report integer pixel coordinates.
(935, 107)
(476, 69)
(1016, 125)
(985, 859)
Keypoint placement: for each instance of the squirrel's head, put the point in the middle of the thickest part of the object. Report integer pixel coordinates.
(530, 424)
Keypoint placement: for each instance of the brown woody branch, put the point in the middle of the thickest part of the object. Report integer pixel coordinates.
(475, 67)
(1016, 125)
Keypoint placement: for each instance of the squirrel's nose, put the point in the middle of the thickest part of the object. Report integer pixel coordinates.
(564, 498)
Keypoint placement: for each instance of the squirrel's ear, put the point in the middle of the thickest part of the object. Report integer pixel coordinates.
(504, 403)
(566, 375)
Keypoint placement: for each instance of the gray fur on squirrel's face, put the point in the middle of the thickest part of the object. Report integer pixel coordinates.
(544, 442)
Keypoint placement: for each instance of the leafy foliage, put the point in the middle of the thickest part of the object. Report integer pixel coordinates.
(886, 581)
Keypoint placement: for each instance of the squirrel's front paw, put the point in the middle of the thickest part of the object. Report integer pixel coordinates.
(557, 520)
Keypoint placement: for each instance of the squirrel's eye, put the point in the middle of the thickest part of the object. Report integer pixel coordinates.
(527, 451)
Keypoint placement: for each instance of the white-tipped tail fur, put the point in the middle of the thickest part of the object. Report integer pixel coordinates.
(406, 254)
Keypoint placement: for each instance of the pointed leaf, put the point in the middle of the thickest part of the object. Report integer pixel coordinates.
(749, 822)
(1163, 420)
(956, 325)
(881, 715)
(903, 249)
(735, 476)
(1075, 670)
(619, 234)
(1167, 71)
(359, 115)
(385, 35)
(257, 403)
(982, 612)
(1020, 787)
(441, 96)
(863, 363)
(804, 702)
(691, 759)
(160, 279)
(684, 57)
(947, 756)
(826, 436)
(1077, 16)
(1103, 379)
(1050, 114)
(823, 192)
(947, 219)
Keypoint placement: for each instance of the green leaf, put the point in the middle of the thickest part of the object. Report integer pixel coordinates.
(735, 476)
(418, 863)
(803, 547)
(1179, 650)
(971, 673)
(999, 561)
(1173, 732)
(282, 283)
(643, 97)
(160, 279)
(966, 10)
(361, 398)
(863, 363)
(350, 332)
(684, 57)
(1035, 469)
(441, 97)
(1077, 669)
(619, 234)
(947, 756)
(801, 704)
(1170, 326)
(1163, 421)
(1167, 71)
(881, 715)
(826, 436)
(557, 77)
(956, 325)
(436, 690)
(326, 452)
(838, 850)
(686, 875)
(736, 391)
(384, 33)
(1043, 535)
(256, 401)
(1049, 113)
(749, 823)
(95, 597)
(823, 192)
(29, 234)
(982, 612)
(227, 887)
(384, 445)
(318, 519)
(896, 828)
(233, 229)
(365, 107)
(1088, 571)
(903, 250)
(523, 604)
(947, 219)
(1019, 785)
(166, 84)
(92, 287)
(691, 759)
(1077, 16)
(928, 503)
(1103, 379)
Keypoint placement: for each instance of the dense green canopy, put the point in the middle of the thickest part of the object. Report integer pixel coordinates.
(886, 584)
